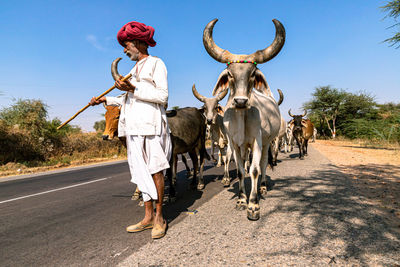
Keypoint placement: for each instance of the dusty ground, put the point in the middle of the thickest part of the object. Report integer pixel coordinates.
(375, 172)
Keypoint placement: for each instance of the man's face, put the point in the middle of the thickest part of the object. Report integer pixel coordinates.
(131, 50)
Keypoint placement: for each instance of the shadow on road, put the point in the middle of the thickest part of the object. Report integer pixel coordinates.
(330, 208)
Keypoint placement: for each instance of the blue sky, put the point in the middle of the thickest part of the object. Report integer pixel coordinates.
(61, 51)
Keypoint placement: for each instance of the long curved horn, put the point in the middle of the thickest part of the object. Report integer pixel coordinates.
(260, 56)
(305, 113)
(280, 97)
(114, 69)
(290, 114)
(222, 94)
(197, 95)
(214, 50)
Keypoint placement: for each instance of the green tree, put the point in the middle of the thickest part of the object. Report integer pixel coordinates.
(28, 114)
(326, 104)
(393, 9)
(100, 126)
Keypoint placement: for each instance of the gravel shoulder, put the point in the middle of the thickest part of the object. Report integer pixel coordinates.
(313, 215)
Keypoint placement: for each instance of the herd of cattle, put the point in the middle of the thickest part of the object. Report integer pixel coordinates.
(250, 126)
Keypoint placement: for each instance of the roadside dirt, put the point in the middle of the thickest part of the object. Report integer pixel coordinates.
(375, 172)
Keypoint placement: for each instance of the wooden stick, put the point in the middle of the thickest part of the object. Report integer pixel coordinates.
(97, 98)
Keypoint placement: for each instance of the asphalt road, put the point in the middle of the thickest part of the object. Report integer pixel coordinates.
(79, 217)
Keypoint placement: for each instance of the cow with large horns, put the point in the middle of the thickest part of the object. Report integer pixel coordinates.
(303, 130)
(217, 129)
(251, 117)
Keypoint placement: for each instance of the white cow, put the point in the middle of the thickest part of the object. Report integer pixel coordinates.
(252, 117)
(214, 118)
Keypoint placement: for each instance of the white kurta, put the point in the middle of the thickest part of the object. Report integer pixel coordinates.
(144, 123)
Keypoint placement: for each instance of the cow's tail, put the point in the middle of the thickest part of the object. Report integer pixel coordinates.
(270, 158)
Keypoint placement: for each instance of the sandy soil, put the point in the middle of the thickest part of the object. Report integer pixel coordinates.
(375, 172)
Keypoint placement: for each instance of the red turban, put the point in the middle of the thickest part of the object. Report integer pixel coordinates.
(136, 31)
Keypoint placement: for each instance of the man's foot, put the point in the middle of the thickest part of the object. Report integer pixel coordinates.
(159, 230)
(139, 227)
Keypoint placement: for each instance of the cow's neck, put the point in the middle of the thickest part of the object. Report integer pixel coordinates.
(240, 126)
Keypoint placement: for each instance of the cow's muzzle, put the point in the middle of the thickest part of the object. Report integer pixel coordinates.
(106, 137)
(240, 102)
(209, 121)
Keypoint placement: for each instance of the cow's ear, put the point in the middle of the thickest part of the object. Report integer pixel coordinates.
(222, 83)
(219, 109)
(201, 109)
(260, 83)
(303, 122)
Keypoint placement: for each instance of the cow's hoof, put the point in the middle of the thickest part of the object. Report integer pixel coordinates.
(241, 204)
(141, 203)
(189, 174)
(218, 165)
(302, 158)
(253, 212)
(200, 186)
(226, 181)
(263, 190)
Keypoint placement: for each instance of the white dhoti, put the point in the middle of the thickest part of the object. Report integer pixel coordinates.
(148, 155)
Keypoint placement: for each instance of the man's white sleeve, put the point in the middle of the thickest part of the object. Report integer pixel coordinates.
(115, 100)
(155, 91)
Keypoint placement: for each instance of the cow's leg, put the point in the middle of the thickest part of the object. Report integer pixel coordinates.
(212, 150)
(263, 168)
(241, 203)
(172, 177)
(253, 208)
(188, 172)
(219, 164)
(285, 150)
(195, 161)
(300, 145)
(200, 184)
(245, 155)
(226, 180)
(275, 149)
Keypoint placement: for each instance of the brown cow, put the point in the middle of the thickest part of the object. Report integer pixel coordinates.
(303, 130)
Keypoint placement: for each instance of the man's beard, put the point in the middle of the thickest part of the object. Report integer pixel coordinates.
(133, 57)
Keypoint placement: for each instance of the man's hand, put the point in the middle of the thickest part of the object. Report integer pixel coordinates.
(124, 86)
(94, 102)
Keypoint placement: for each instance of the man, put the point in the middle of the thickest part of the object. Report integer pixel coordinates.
(143, 122)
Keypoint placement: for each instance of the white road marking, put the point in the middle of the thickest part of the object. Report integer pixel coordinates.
(54, 190)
